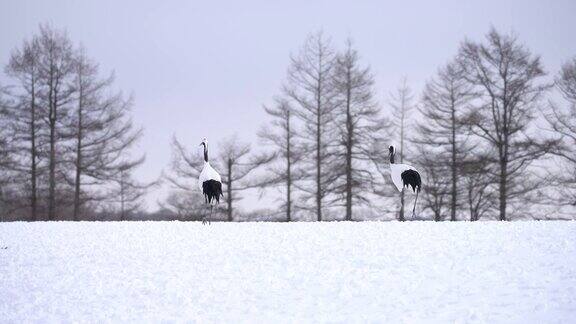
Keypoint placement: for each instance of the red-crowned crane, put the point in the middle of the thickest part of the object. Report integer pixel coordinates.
(404, 175)
(209, 182)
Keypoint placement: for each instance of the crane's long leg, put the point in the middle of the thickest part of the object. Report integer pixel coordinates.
(415, 200)
(204, 217)
(207, 219)
(210, 217)
(401, 204)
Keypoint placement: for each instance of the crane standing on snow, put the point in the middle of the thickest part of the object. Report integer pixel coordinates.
(209, 182)
(404, 175)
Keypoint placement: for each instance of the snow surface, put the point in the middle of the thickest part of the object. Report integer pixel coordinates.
(300, 272)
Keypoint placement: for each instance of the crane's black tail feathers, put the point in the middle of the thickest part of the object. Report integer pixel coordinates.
(212, 190)
(412, 178)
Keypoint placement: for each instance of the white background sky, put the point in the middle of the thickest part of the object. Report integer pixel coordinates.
(204, 68)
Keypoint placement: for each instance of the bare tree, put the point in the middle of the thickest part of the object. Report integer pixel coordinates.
(281, 136)
(309, 87)
(443, 131)
(67, 127)
(184, 168)
(102, 130)
(356, 118)
(55, 71)
(236, 164)
(183, 175)
(506, 74)
(436, 193)
(128, 192)
(563, 122)
(478, 183)
(401, 103)
(25, 118)
(566, 81)
(378, 154)
(6, 151)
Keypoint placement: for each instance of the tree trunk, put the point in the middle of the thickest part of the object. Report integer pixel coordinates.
(318, 163)
(401, 213)
(288, 170)
(471, 204)
(437, 216)
(288, 196)
(348, 160)
(33, 153)
(52, 162)
(52, 173)
(78, 158)
(453, 167)
(122, 199)
(503, 150)
(502, 185)
(229, 190)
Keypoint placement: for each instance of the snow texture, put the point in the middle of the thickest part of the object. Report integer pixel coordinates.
(300, 272)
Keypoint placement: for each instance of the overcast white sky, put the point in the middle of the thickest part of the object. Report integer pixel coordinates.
(204, 68)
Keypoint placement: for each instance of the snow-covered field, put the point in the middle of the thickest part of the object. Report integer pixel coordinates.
(301, 272)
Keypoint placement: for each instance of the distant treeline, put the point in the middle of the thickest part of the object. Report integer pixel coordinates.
(492, 134)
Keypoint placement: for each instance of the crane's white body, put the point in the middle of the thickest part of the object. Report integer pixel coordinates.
(396, 174)
(411, 179)
(209, 183)
(208, 173)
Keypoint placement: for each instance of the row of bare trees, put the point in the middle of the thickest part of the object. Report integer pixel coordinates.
(321, 146)
(492, 135)
(66, 135)
(338, 129)
(485, 135)
(482, 140)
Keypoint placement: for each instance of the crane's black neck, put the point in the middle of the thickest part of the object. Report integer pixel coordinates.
(205, 152)
(391, 153)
